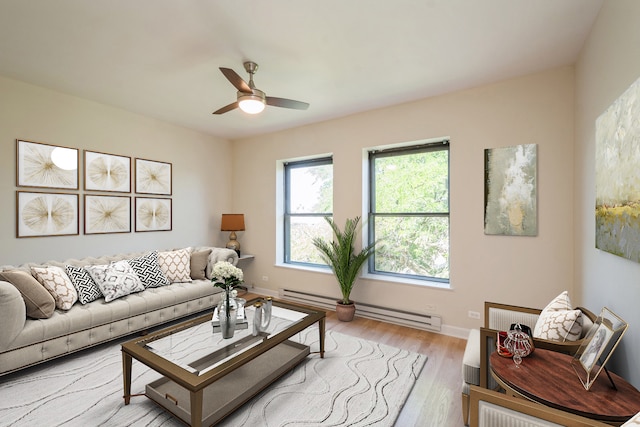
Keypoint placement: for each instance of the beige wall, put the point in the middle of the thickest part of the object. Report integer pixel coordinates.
(201, 171)
(609, 63)
(519, 270)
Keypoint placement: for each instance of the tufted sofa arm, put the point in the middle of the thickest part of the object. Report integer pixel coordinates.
(218, 254)
(12, 313)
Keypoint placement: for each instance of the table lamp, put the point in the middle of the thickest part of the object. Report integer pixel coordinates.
(232, 223)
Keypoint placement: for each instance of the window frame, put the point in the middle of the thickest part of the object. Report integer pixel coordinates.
(288, 215)
(372, 155)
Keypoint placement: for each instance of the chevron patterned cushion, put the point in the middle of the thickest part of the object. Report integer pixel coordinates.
(558, 321)
(116, 279)
(56, 281)
(148, 270)
(176, 265)
(87, 289)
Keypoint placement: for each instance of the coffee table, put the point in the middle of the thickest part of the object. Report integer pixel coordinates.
(200, 370)
(547, 377)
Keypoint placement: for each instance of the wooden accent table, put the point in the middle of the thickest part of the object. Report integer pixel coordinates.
(547, 377)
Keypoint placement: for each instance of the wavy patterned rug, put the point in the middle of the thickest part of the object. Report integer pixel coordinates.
(358, 383)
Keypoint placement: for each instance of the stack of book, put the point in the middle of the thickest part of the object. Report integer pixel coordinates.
(241, 320)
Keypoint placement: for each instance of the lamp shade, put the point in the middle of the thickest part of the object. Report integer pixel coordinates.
(232, 222)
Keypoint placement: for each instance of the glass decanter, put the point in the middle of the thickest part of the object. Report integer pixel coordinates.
(518, 343)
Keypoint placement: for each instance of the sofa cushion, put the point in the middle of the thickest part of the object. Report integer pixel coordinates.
(199, 261)
(471, 358)
(56, 281)
(558, 321)
(148, 270)
(176, 265)
(38, 301)
(115, 280)
(87, 289)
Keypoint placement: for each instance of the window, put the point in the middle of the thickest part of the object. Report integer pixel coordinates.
(409, 211)
(308, 200)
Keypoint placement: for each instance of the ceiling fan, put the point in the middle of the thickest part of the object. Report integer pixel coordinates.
(250, 99)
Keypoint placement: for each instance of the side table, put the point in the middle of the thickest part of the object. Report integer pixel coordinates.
(547, 377)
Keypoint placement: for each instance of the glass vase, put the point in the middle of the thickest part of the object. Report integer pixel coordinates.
(227, 315)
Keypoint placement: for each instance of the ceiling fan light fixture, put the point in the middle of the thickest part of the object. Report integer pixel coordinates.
(251, 104)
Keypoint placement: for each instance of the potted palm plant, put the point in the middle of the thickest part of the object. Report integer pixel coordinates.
(341, 256)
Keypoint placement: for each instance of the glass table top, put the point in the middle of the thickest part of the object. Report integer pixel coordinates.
(198, 348)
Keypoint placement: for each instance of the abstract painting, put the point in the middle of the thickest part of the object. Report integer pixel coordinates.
(46, 166)
(510, 192)
(617, 179)
(107, 214)
(107, 172)
(153, 214)
(153, 177)
(46, 214)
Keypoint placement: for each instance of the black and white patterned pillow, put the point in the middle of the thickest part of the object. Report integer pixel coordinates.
(87, 289)
(115, 280)
(148, 270)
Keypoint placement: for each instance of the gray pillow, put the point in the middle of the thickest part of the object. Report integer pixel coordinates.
(38, 301)
(199, 261)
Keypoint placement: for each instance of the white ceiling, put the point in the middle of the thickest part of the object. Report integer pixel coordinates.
(160, 58)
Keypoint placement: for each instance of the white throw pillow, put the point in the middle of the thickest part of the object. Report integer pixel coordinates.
(176, 265)
(115, 280)
(56, 281)
(558, 321)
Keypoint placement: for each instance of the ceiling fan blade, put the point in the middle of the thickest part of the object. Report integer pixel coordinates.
(286, 103)
(236, 80)
(227, 108)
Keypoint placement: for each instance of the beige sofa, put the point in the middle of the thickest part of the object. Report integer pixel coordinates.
(26, 341)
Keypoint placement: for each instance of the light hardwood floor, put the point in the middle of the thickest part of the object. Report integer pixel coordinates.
(435, 398)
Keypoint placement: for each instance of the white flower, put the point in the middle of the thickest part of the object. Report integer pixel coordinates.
(226, 274)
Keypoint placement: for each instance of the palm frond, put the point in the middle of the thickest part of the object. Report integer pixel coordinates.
(340, 254)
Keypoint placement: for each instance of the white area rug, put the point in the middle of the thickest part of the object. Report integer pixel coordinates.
(358, 383)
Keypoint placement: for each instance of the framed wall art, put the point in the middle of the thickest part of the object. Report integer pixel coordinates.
(46, 166)
(617, 204)
(107, 172)
(153, 214)
(598, 346)
(46, 214)
(510, 191)
(107, 214)
(153, 177)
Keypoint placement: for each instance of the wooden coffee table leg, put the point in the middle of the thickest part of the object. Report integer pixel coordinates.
(126, 376)
(196, 408)
(321, 328)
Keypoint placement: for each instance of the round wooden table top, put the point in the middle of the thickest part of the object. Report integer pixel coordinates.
(547, 377)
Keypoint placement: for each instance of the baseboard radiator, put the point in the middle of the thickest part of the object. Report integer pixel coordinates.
(429, 322)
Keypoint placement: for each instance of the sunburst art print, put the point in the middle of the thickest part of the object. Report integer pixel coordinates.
(153, 177)
(153, 214)
(107, 172)
(46, 166)
(107, 214)
(46, 214)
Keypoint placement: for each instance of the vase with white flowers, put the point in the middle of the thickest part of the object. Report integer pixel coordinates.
(227, 276)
